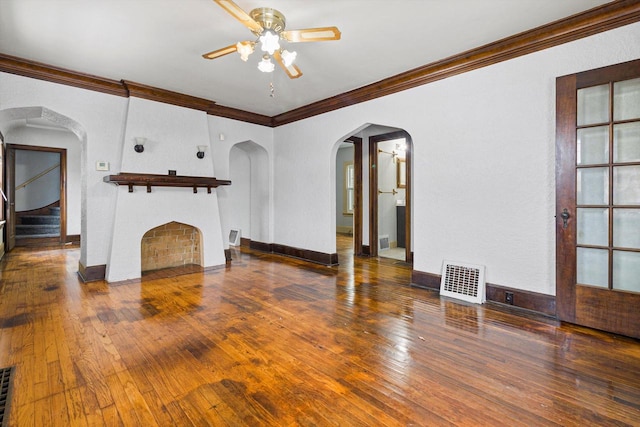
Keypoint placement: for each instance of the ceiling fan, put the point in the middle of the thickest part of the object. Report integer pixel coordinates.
(268, 25)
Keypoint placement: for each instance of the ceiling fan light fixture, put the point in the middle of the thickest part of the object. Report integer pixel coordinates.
(266, 66)
(288, 57)
(244, 49)
(269, 41)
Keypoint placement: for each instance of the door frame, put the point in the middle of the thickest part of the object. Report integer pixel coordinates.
(582, 304)
(357, 194)
(373, 191)
(10, 178)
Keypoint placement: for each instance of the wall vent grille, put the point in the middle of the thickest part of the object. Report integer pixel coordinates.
(463, 281)
(234, 237)
(6, 377)
(384, 242)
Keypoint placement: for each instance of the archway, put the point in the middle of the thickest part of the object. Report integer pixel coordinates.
(14, 120)
(249, 196)
(367, 193)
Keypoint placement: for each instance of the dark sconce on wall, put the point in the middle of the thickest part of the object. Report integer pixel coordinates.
(201, 150)
(139, 146)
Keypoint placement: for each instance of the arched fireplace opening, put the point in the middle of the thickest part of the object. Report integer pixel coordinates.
(171, 245)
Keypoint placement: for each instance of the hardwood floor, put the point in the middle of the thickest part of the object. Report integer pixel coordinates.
(275, 341)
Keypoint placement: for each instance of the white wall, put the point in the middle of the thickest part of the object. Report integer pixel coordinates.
(483, 163)
(56, 139)
(239, 192)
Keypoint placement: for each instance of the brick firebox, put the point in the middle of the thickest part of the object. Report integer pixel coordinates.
(170, 245)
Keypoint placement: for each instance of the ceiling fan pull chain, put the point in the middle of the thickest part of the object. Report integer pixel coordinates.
(273, 90)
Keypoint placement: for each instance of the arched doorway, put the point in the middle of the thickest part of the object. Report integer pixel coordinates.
(371, 190)
(249, 198)
(26, 127)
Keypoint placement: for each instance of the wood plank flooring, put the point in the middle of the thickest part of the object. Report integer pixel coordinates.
(272, 341)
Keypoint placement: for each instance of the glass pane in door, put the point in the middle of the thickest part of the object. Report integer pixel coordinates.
(593, 186)
(593, 145)
(626, 228)
(593, 105)
(626, 142)
(626, 185)
(593, 267)
(626, 271)
(626, 100)
(593, 226)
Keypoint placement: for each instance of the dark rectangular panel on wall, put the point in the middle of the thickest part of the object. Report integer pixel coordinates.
(92, 273)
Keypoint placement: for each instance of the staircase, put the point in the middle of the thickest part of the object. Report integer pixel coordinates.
(37, 226)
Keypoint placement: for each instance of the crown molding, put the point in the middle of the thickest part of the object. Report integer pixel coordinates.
(593, 21)
(242, 115)
(151, 93)
(40, 71)
(604, 18)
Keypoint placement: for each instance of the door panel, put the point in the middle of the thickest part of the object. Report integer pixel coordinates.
(598, 198)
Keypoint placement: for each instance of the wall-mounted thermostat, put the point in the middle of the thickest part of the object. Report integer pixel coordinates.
(102, 166)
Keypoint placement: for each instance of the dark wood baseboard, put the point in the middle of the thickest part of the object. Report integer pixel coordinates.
(39, 241)
(92, 273)
(73, 238)
(366, 250)
(245, 242)
(259, 246)
(534, 301)
(305, 254)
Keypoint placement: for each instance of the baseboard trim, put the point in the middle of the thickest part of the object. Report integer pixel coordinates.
(245, 242)
(92, 273)
(534, 301)
(304, 254)
(344, 229)
(259, 246)
(73, 238)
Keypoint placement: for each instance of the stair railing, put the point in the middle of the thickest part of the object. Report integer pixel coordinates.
(40, 175)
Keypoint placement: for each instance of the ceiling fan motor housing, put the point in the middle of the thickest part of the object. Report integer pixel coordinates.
(269, 19)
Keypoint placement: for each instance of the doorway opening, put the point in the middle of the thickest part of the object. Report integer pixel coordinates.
(373, 193)
(42, 170)
(390, 195)
(38, 194)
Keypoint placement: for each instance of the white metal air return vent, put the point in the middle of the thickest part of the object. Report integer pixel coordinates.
(383, 242)
(463, 281)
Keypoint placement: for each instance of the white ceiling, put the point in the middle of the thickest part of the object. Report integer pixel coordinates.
(160, 42)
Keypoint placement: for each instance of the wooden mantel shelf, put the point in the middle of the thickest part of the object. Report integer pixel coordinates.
(151, 180)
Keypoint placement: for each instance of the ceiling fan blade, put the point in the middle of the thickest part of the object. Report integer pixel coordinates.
(220, 52)
(242, 16)
(312, 35)
(292, 70)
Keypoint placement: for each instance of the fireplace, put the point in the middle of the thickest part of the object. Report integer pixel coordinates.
(170, 245)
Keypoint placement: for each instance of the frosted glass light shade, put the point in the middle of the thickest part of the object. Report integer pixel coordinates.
(266, 66)
(269, 42)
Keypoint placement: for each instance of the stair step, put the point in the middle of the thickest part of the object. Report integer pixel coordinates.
(37, 230)
(55, 211)
(39, 219)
